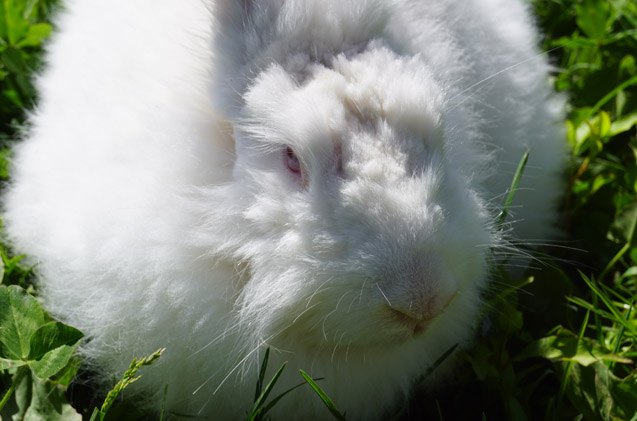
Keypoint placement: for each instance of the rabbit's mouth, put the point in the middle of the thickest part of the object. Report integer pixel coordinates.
(417, 322)
(413, 325)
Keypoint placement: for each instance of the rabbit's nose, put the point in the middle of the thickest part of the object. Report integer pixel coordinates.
(419, 293)
(418, 314)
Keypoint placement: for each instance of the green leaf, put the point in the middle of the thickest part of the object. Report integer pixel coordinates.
(51, 336)
(36, 34)
(14, 61)
(601, 181)
(39, 400)
(3, 21)
(590, 389)
(573, 42)
(4, 176)
(604, 124)
(13, 97)
(16, 380)
(14, 266)
(10, 364)
(1, 260)
(625, 395)
(324, 397)
(620, 103)
(627, 65)
(68, 373)
(510, 319)
(625, 223)
(29, 8)
(481, 359)
(623, 124)
(26, 335)
(22, 315)
(592, 18)
(599, 394)
(566, 346)
(52, 362)
(16, 25)
(571, 134)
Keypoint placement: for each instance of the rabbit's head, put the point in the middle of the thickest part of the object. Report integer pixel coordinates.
(359, 229)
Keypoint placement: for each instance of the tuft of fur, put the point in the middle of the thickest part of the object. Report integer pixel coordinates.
(153, 195)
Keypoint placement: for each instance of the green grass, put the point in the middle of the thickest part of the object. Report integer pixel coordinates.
(561, 342)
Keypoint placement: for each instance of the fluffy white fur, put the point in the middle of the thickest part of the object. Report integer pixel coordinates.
(152, 190)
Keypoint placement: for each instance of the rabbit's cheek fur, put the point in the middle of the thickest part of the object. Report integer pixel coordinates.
(357, 283)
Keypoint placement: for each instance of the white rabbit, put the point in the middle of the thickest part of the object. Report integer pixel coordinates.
(318, 177)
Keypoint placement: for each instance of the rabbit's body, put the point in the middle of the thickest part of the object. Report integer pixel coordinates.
(153, 191)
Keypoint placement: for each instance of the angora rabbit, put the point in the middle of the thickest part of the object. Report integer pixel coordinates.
(317, 177)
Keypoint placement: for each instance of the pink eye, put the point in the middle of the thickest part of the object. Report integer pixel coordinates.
(291, 161)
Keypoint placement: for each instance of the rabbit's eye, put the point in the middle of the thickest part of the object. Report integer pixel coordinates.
(291, 161)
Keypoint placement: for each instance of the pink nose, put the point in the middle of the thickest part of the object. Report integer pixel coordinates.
(418, 290)
(422, 309)
(415, 300)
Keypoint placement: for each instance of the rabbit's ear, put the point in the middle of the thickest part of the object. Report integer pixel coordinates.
(238, 10)
(240, 28)
(247, 14)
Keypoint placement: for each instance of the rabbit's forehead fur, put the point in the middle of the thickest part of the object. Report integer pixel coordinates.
(377, 103)
(377, 219)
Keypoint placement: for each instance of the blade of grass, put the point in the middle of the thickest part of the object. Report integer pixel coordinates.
(569, 365)
(129, 377)
(256, 412)
(609, 305)
(321, 393)
(7, 395)
(620, 334)
(439, 411)
(439, 361)
(614, 260)
(264, 366)
(590, 307)
(598, 321)
(278, 398)
(163, 404)
(508, 200)
(610, 95)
